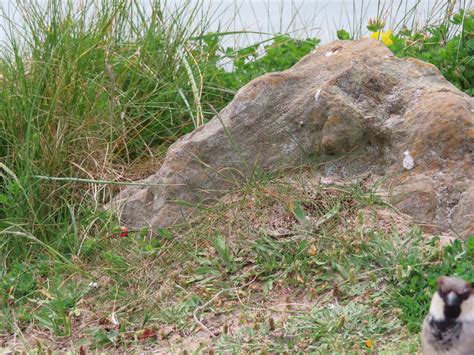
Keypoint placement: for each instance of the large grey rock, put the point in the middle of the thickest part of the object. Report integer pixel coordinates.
(350, 100)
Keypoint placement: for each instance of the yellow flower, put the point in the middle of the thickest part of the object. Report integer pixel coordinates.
(385, 37)
(375, 35)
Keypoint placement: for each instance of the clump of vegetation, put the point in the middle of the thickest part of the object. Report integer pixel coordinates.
(448, 45)
(275, 54)
(452, 54)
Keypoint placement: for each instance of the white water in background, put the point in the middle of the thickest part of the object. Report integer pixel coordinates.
(300, 18)
(312, 18)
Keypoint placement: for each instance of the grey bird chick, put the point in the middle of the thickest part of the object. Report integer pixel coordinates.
(449, 326)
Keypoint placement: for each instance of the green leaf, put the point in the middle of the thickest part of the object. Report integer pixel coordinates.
(470, 44)
(470, 246)
(3, 199)
(299, 212)
(343, 35)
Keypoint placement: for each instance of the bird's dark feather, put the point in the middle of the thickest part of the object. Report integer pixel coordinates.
(442, 333)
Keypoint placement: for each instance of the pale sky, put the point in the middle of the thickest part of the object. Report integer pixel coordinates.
(303, 18)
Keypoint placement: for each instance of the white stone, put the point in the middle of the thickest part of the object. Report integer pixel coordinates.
(408, 161)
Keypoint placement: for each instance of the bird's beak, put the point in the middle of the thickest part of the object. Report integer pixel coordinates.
(453, 299)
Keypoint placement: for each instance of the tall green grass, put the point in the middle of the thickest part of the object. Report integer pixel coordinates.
(85, 90)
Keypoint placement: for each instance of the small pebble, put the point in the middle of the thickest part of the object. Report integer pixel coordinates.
(408, 161)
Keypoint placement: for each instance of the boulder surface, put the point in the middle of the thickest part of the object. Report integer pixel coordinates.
(350, 104)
